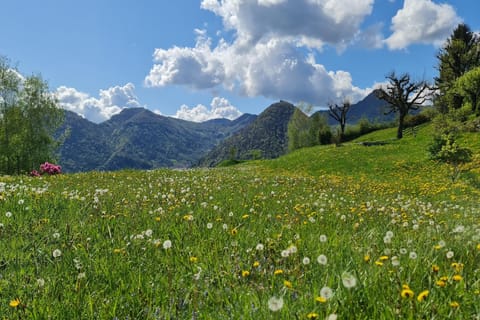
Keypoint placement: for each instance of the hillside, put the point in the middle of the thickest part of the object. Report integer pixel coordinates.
(266, 135)
(140, 139)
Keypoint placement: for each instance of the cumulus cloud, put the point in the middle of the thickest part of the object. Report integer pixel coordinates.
(219, 108)
(111, 101)
(310, 22)
(422, 21)
(271, 53)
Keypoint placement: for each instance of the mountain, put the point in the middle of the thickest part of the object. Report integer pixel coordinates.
(266, 135)
(140, 139)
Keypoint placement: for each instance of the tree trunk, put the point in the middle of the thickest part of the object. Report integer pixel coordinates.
(401, 121)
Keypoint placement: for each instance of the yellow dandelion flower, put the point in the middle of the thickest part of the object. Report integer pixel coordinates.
(157, 219)
(444, 278)
(193, 259)
(14, 303)
(117, 250)
(245, 216)
(383, 258)
(407, 293)
(278, 272)
(321, 299)
(188, 217)
(454, 304)
(312, 315)
(478, 246)
(234, 231)
(366, 258)
(245, 273)
(441, 283)
(457, 277)
(437, 247)
(435, 268)
(287, 284)
(458, 266)
(405, 286)
(423, 295)
(256, 264)
(379, 263)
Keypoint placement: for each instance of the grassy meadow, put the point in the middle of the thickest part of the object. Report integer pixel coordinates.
(349, 232)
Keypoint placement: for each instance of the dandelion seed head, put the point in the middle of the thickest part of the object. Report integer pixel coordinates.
(56, 253)
(275, 304)
(322, 259)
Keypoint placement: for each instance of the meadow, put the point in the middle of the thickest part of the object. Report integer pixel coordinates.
(349, 232)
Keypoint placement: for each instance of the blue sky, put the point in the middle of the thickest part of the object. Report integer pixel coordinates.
(204, 59)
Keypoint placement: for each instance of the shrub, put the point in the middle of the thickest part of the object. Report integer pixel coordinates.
(47, 168)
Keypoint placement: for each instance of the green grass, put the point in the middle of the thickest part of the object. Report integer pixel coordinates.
(377, 207)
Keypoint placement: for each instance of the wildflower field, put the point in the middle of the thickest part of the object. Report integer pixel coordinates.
(351, 232)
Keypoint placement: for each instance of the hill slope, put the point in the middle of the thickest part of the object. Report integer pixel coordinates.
(266, 135)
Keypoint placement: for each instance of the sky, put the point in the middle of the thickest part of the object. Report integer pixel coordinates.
(205, 59)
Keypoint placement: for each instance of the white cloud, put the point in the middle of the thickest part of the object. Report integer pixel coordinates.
(422, 21)
(269, 55)
(110, 101)
(220, 108)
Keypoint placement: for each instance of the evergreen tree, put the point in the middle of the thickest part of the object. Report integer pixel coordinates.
(460, 54)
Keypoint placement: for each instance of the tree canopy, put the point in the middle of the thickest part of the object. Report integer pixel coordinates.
(29, 118)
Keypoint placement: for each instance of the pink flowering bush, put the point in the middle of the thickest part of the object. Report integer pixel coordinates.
(47, 168)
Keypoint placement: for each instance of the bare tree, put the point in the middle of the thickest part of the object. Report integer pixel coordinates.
(339, 113)
(403, 96)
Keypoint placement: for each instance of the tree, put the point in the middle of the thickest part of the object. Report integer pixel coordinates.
(299, 131)
(460, 54)
(468, 87)
(403, 96)
(29, 118)
(339, 113)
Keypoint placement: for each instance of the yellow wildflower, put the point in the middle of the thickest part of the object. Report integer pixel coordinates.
(312, 315)
(441, 283)
(14, 303)
(407, 293)
(383, 258)
(245, 273)
(256, 264)
(287, 284)
(454, 304)
(234, 231)
(193, 259)
(379, 263)
(245, 216)
(457, 277)
(366, 258)
(321, 299)
(435, 268)
(277, 272)
(422, 295)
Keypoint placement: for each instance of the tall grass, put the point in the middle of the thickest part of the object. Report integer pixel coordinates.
(354, 232)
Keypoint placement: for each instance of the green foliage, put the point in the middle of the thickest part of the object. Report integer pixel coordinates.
(468, 87)
(460, 54)
(304, 131)
(29, 118)
(445, 148)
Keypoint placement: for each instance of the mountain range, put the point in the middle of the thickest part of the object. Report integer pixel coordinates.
(137, 138)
